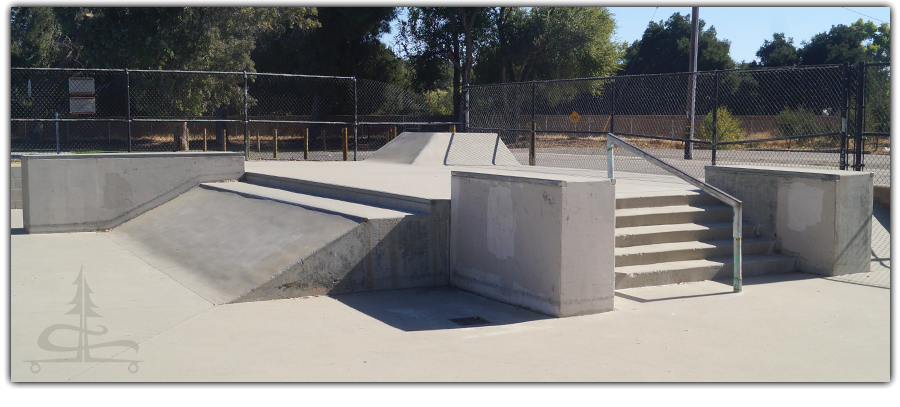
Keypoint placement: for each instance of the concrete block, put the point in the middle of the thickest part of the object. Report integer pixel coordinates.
(540, 241)
(86, 192)
(822, 217)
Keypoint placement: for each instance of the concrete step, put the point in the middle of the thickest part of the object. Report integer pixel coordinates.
(678, 251)
(664, 215)
(678, 232)
(344, 193)
(688, 198)
(701, 270)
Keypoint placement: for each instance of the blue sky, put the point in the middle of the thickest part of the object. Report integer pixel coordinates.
(745, 27)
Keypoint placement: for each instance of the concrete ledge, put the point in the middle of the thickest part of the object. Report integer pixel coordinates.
(540, 241)
(72, 193)
(822, 217)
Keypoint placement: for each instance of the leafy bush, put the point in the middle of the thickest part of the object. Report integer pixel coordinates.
(729, 127)
(796, 122)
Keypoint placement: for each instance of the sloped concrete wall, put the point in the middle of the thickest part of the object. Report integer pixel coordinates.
(86, 192)
(822, 217)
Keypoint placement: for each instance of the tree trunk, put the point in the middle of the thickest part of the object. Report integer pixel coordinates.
(181, 137)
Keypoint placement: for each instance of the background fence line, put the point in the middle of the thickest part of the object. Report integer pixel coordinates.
(790, 116)
(264, 115)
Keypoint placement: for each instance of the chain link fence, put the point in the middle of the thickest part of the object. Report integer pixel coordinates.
(266, 116)
(779, 117)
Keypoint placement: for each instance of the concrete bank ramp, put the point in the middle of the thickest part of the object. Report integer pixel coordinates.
(235, 242)
(445, 149)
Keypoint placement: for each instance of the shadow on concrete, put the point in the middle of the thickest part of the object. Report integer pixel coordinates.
(638, 295)
(17, 231)
(432, 308)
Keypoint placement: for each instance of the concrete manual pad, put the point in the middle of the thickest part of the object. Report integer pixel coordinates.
(222, 245)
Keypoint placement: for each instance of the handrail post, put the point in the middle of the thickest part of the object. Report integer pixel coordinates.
(610, 144)
(738, 232)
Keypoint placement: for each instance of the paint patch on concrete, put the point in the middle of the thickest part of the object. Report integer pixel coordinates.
(804, 206)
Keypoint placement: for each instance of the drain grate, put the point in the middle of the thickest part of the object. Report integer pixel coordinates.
(468, 321)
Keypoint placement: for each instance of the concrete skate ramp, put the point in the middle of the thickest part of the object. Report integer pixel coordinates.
(222, 245)
(445, 149)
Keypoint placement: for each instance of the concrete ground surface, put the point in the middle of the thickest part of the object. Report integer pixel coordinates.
(783, 328)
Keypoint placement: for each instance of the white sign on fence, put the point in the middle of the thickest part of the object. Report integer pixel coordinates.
(81, 86)
(81, 105)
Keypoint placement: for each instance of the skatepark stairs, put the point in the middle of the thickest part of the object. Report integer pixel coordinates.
(676, 238)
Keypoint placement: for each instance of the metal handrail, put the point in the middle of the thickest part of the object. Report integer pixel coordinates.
(736, 205)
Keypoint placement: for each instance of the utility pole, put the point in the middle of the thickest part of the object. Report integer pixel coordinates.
(692, 90)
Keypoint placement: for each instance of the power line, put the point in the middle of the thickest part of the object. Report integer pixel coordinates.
(638, 52)
(845, 8)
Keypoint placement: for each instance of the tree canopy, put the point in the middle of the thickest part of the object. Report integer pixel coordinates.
(548, 43)
(778, 52)
(854, 43)
(665, 48)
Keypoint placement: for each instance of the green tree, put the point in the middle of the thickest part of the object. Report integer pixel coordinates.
(778, 52)
(548, 43)
(177, 38)
(665, 48)
(878, 40)
(838, 45)
(431, 36)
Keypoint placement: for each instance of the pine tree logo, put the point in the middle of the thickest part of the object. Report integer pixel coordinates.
(84, 309)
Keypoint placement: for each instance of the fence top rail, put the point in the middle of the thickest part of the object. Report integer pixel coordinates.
(177, 71)
(699, 73)
(888, 63)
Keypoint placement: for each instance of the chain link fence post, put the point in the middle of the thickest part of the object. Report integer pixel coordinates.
(128, 105)
(715, 113)
(246, 123)
(845, 106)
(532, 151)
(860, 118)
(355, 118)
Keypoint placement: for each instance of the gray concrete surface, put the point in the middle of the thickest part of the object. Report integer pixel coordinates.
(66, 193)
(784, 328)
(534, 240)
(232, 242)
(415, 148)
(822, 217)
(15, 186)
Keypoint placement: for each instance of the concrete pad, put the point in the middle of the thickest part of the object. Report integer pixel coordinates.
(792, 327)
(134, 300)
(433, 182)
